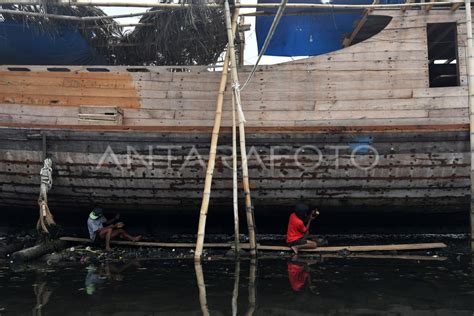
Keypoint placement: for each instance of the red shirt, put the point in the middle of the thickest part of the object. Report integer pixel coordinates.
(296, 228)
(297, 276)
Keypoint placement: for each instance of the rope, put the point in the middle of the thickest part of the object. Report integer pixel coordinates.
(273, 27)
(45, 217)
(236, 88)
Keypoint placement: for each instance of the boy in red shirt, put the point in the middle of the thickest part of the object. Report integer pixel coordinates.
(298, 230)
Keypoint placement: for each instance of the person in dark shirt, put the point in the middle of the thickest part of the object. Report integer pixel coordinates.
(298, 227)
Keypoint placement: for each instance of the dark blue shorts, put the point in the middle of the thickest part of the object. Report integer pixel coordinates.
(298, 242)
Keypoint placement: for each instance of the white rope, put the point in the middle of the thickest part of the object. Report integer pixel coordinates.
(45, 217)
(273, 27)
(236, 87)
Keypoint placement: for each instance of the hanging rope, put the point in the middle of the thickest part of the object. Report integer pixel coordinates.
(273, 27)
(46, 219)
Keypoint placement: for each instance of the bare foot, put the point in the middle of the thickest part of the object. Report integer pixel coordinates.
(295, 250)
(137, 238)
(108, 249)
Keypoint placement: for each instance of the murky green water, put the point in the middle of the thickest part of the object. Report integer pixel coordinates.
(331, 286)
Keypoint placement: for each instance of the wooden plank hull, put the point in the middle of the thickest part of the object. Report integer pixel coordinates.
(305, 120)
(410, 169)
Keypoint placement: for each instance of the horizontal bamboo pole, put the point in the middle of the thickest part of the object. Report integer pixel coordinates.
(77, 18)
(157, 4)
(368, 248)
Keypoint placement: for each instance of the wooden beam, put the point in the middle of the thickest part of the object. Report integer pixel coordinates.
(155, 4)
(406, 8)
(456, 6)
(370, 248)
(430, 6)
(348, 40)
(470, 85)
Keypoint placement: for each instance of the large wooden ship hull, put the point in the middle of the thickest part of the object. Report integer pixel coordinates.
(355, 129)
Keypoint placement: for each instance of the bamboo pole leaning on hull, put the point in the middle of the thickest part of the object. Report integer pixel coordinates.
(213, 150)
(243, 149)
(212, 160)
(470, 76)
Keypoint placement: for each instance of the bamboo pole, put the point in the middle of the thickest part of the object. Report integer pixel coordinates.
(235, 196)
(355, 248)
(202, 288)
(212, 153)
(243, 148)
(156, 4)
(470, 76)
(77, 18)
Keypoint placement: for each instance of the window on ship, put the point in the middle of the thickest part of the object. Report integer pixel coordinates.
(443, 54)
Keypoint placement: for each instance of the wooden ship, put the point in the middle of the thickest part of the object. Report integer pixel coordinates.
(379, 125)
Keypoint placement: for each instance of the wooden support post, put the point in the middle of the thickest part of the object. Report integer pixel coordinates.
(212, 160)
(470, 76)
(202, 288)
(456, 6)
(405, 8)
(348, 40)
(430, 6)
(243, 149)
(242, 41)
(234, 181)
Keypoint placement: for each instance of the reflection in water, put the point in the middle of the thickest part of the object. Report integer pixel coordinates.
(109, 271)
(299, 274)
(235, 293)
(202, 288)
(42, 293)
(370, 286)
(252, 290)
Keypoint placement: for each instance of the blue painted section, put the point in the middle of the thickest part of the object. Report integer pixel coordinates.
(22, 45)
(362, 144)
(309, 35)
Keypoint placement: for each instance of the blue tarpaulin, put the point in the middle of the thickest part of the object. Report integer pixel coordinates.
(309, 35)
(27, 45)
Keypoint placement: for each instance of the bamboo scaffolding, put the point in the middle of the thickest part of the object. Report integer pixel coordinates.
(77, 18)
(172, 6)
(470, 76)
(235, 196)
(243, 148)
(213, 150)
(212, 160)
